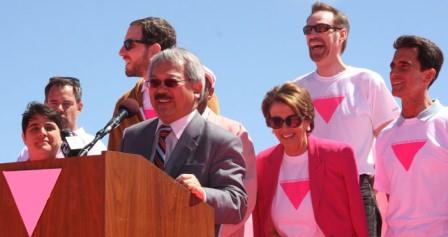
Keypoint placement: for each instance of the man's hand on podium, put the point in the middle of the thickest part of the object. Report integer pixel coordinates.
(191, 183)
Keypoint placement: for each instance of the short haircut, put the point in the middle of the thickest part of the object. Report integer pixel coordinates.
(35, 108)
(157, 30)
(61, 81)
(193, 69)
(292, 95)
(339, 20)
(428, 53)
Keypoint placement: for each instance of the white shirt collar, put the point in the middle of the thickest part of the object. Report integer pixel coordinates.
(331, 78)
(179, 125)
(144, 85)
(79, 131)
(425, 114)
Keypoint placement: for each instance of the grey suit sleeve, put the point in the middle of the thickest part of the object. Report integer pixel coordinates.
(225, 191)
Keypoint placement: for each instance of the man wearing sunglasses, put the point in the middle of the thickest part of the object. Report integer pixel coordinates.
(64, 95)
(201, 156)
(144, 38)
(352, 104)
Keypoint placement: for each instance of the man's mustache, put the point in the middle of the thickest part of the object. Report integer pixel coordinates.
(159, 96)
(316, 41)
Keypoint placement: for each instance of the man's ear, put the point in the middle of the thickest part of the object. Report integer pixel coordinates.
(197, 89)
(154, 49)
(23, 138)
(210, 93)
(80, 105)
(343, 33)
(429, 75)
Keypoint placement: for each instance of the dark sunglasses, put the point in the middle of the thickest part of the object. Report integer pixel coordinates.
(129, 43)
(319, 28)
(292, 121)
(170, 83)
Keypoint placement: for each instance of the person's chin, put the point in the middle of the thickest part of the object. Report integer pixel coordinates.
(65, 123)
(131, 72)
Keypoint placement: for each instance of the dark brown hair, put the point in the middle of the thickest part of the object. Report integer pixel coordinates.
(296, 97)
(157, 30)
(61, 81)
(429, 54)
(35, 108)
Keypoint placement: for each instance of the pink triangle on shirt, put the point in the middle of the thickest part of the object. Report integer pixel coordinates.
(326, 106)
(296, 191)
(405, 152)
(31, 190)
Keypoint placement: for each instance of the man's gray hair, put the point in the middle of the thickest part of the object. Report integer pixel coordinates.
(193, 69)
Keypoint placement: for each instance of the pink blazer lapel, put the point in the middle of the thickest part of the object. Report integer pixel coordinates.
(268, 168)
(316, 172)
(272, 169)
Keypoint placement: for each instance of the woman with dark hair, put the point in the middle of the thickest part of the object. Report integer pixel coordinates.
(41, 131)
(306, 186)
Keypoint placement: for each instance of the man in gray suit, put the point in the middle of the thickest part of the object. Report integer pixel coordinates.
(203, 157)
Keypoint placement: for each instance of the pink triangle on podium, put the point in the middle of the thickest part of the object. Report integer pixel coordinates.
(296, 191)
(326, 106)
(405, 152)
(31, 190)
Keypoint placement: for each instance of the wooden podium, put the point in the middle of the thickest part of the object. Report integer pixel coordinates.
(115, 195)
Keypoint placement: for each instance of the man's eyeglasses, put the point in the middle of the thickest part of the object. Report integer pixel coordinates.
(292, 121)
(170, 83)
(129, 43)
(319, 28)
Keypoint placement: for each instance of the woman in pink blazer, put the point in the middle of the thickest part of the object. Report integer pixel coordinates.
(306, 186)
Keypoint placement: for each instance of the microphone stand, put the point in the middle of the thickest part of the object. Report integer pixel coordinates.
(112, 124)
(128, 108)
(99, 135)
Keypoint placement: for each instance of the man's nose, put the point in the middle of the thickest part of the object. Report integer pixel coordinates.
(59, 108)
(42, 132)
(393, 73)
(122, 51)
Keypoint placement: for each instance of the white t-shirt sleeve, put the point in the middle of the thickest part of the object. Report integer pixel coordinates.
(23, 155)
(384, 107)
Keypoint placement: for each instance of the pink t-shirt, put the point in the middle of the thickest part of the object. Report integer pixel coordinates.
(148, 110)
(412, 167)
(292, 211)
(349, 106)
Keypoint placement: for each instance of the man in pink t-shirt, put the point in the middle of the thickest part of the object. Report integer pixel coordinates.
(352, 104)
(412, 153)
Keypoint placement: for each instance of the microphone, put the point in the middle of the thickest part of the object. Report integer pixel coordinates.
(127, 108)
(71, 144)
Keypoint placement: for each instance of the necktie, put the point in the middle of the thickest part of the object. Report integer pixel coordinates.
(159, 156)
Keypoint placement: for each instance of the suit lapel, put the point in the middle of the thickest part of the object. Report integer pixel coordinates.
(149, 133)
(317, 176)
(186, 146)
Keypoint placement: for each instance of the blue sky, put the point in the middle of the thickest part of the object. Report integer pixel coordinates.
(250, 45)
